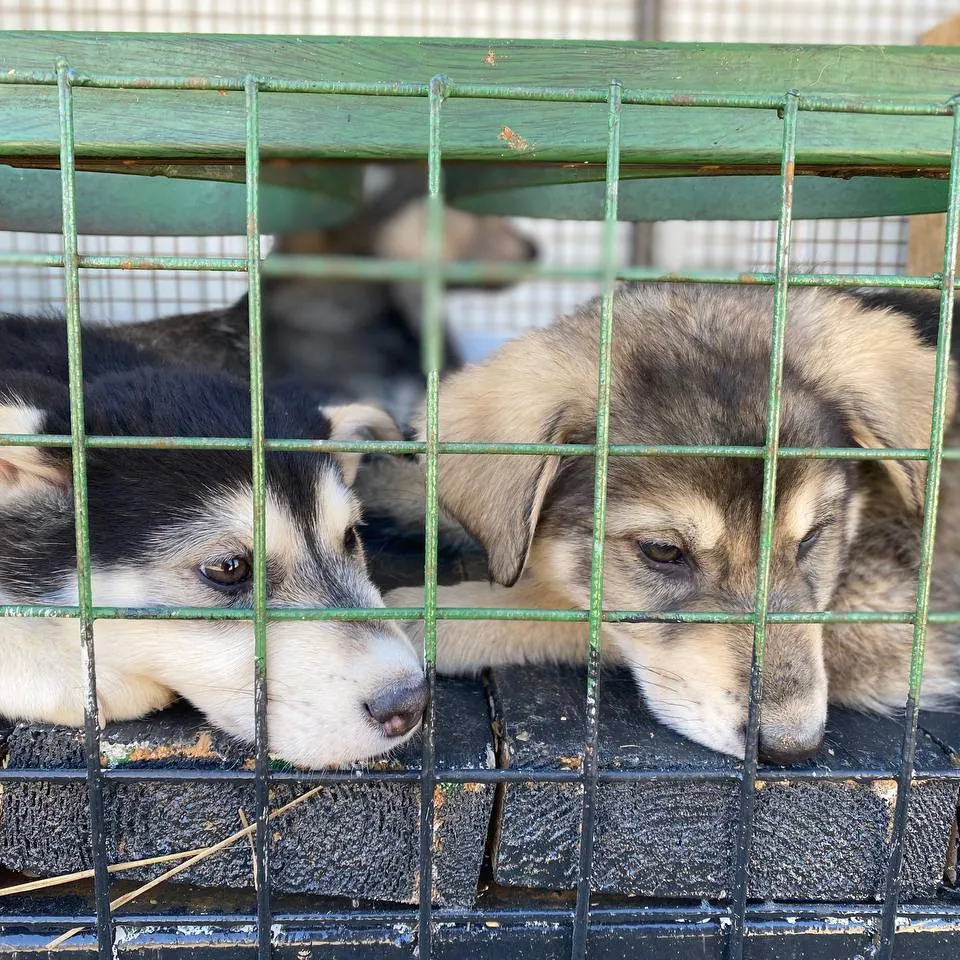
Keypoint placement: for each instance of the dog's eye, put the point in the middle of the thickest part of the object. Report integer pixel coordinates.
(350, 540)
(807, 543)
(227, 573)
(660, 554)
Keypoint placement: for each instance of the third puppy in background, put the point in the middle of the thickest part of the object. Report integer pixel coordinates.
(357, 340)
(353, 340)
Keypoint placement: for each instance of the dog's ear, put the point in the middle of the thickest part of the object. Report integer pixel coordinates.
(34, 404)
(538, 389)
(877, 367)
(358, 421)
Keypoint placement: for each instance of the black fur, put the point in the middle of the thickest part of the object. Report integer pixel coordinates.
(39, 345)
(131, 390)
(132, 493)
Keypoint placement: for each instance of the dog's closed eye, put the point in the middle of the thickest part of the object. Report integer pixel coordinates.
(809, 541)
(813, 537)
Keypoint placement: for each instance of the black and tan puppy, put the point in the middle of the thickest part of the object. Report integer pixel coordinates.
(690, 366)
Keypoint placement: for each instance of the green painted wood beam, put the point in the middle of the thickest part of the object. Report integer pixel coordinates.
(905, 73)
(709, 198)
(118, 205)
(543, 143)
(206, 126)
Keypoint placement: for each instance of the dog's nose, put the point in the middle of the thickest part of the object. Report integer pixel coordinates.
(399, 707)
(783, 748)
(532, 250)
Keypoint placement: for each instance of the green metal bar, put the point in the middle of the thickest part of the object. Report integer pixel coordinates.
(931, 498)
(581, 918)
(224, 84)
(481, 447)
(527, 614)
(19, 258)
(744, 826)
(81, 508)
(465, 271)
(212, 264)
(216, 443)
(259, 486)
(487, 91)
(432, 354)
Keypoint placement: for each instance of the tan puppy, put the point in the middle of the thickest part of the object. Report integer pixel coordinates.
(690, 366)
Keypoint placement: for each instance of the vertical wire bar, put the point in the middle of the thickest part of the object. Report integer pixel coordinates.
(432, 351)
(589, 806)
(744, 827)
(91, 722)
(259, 485)
(931, 496)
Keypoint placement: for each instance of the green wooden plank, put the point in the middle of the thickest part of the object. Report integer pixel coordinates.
(207, 126)
(200, 133)
(710, 198)
(868, 71)
(118, 205)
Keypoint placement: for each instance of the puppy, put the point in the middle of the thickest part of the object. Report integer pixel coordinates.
(359, 339)
(690, 366)
(356, 340)
(175, 528)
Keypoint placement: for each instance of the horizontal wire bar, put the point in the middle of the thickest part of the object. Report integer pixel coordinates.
(210, 264)
(487, 91)
(468, 271)
(766, 775)
(406, 447)
(67, 611)
(462, 271)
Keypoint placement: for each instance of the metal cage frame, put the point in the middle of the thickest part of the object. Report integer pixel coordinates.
(735, 917)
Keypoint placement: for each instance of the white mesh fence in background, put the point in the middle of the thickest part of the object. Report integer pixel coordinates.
(479, 319)
(842, 246)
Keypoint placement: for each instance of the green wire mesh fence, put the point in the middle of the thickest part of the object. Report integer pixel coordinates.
(792, 107)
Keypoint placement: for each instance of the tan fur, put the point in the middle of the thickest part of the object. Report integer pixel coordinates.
(868, 362)
(467, 647)
(498, 498)
(696, 519)
(25, 468)
(869, 665)
(865, 366)
(465, 236)
(359, 421)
